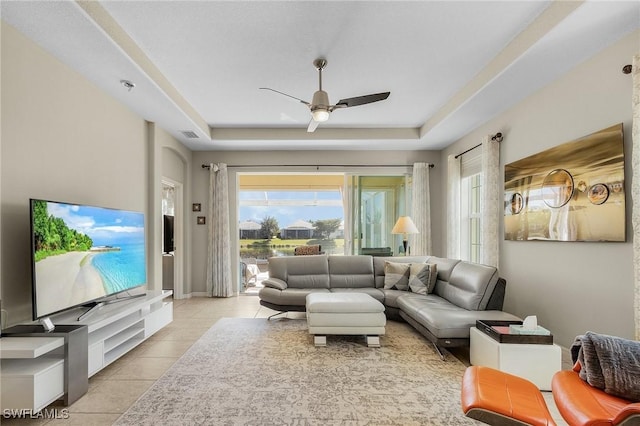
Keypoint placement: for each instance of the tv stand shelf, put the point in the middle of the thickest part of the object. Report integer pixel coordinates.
(32, 377)
(50, 365)
(116, 328)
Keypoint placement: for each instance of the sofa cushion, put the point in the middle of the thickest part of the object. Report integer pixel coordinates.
(445, 267)
(378, 265)
(422, 277)
(469, 285)
(350, 272)
(411, 303)
(301, 271)
(391, 297)
(396, 275)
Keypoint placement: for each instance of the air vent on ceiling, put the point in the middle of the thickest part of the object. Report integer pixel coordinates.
(189, 134)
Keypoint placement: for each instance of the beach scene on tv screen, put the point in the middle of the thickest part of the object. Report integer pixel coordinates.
(83, 253)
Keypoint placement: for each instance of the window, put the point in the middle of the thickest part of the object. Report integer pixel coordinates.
(377, 203)
(470, 203)
(279, 212)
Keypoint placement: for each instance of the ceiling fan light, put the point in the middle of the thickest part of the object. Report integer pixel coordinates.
(320, 115)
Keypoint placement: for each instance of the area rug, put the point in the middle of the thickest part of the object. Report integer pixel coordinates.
(260, 372)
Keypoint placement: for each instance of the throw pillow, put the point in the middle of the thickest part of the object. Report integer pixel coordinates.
(396, 275)
(422, 277)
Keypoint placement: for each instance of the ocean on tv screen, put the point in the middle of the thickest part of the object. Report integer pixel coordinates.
(83, 253)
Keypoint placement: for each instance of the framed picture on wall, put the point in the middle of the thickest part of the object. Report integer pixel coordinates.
(571, 192)
(201, 220)
(196, 207)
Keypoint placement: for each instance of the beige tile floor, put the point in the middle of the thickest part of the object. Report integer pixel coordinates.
(114, 389)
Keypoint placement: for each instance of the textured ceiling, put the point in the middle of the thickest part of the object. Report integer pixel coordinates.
(197, 65)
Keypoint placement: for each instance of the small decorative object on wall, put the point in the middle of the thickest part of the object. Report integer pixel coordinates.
(572, 192)
(196, 207)
(201, 220)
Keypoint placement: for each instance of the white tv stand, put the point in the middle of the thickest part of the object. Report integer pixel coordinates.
(113, 330)
(116, 328)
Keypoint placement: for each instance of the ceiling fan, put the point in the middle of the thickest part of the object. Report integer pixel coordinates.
(320, 106)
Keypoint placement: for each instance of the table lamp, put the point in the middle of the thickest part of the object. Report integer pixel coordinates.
(405, 226)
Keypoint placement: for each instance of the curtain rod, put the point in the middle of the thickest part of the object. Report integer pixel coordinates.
(497, 138)
(469, 150)
(207, 166)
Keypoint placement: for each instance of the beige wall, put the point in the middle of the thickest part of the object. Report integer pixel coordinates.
(572, 286)
(290, 159)
(62, 139)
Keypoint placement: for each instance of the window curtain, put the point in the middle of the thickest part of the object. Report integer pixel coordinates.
(219, 252)
(168, 200)
(347, 205)
(491, 201)
(351, 204)
(635, 187)
(453, 207)
(421, 211)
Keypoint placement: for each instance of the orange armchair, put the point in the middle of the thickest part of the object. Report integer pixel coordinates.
(498, 398)
(583, 405)
(502, 399)
(610, 363)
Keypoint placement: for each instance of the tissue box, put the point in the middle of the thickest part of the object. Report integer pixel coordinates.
(519, 329)
(500, 331)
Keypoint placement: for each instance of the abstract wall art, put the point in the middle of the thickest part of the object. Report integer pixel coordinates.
(572, 192)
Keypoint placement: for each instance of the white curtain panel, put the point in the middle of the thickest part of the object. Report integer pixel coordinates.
(453, 207)
(491, 200)
(421, 211)
(347, 205)
(168, 200)
(635, 187)
(219, 251)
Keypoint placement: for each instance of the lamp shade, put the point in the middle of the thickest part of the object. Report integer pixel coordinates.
(405, 225)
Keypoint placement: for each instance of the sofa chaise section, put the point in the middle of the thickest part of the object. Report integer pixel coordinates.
(464, 293)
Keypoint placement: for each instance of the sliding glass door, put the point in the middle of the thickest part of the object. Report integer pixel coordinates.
(374, 203)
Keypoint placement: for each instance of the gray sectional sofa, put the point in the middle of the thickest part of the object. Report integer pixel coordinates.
(464, 292)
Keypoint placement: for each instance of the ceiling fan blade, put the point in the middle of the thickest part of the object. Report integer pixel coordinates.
(282, 93)
(361, 100)
(313, 125)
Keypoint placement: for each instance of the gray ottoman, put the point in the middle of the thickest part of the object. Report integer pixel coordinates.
(346, 314)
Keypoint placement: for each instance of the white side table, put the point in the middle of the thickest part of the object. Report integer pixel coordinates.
(536, 363)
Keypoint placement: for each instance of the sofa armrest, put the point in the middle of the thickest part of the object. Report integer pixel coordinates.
(497, 297)
(275, 283)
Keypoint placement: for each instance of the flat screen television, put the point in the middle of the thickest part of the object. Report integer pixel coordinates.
(83, 254)
(168, 234)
